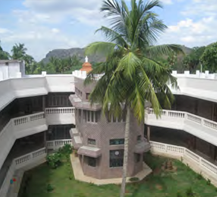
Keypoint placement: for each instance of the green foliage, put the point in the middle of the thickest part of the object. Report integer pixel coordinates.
(59, 66)
(80, 194)
(3, 54)
(49, 188)
(66, 150)
(189, 192)
(54, 66)
(170, 183)
(208, 182)
(209, 58)
(192, 60)
(179, 194)
(134, 179)
(199, 176)
(54, 160)
(132, 74)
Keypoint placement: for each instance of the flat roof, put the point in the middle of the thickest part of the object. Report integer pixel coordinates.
(9, 61)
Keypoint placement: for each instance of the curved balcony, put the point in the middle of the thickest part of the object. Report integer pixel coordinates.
(18, 128)
(31, 124)
(195, 162)
(11, 89)
(195, 125)
(60, 115)
(24, 162)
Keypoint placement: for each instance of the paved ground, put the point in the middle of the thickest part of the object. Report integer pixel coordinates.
(79, 175)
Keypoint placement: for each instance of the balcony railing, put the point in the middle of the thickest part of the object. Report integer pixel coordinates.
(60, 110)
(18, 163)
(18, 128)
(31, 124)
(184, 120)
(56, 144)
(60, 115)
(197, 163)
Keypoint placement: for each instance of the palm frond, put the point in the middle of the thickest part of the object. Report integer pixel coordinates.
(104, 48)
(166, 49)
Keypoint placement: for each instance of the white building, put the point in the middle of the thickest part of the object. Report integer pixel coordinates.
(36, 115)
(11, 69)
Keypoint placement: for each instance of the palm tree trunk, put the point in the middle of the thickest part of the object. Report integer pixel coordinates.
(126, 148)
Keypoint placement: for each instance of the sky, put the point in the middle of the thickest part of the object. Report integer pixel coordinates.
(44, 25)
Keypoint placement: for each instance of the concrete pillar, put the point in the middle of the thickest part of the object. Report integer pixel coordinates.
(194, 143)
(82, 160)
(45, 141)
(214, 152)
(43, 103)
(148, 133)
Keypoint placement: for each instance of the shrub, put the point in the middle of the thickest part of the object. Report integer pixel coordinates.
(66, 150)
(208, 182)
(199, 177)
(49, 188)
(70, 177)
(54, 160)
(133, 179)
(189, 192)
(178, 194)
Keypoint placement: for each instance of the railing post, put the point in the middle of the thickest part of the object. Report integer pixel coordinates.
(200, 161)
(166, 148)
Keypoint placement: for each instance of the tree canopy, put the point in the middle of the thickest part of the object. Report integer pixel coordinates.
(131, 71)
(3, 54)
(192, 60)
(209, 58)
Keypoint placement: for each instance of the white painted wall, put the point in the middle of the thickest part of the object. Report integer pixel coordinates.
(200, 127)
(32, 124)
(10, 68)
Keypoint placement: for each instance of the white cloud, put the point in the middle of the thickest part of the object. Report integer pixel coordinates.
(4, 31)
(55, 30)
(192, 33)
(87, 12)
(39, 26)
(198, 27)
(201, 8)
(167, 1)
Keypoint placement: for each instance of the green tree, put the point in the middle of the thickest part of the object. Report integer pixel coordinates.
(131, 73)
(209, 58)
(3, 54)
(18, 52)
(192, 60)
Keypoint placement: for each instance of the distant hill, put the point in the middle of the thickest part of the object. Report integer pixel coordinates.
(79, 52)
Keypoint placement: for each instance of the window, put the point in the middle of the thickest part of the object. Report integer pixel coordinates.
(91, 141)
(91, 116)
(87, 95)
(78, 92)
(139, 138)
(79, 115)
(137, 158)
(116, 158)
(91, 161)
(116, 141)
(58, 100)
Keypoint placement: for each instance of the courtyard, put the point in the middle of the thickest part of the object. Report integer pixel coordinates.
(182, 182)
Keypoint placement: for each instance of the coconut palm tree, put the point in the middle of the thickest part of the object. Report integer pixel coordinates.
(18, 51)
(131, 72)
